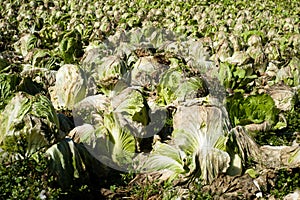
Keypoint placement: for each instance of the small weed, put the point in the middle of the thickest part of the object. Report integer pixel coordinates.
(287, 181)
(197, 193)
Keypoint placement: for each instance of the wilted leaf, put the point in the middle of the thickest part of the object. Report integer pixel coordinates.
(8, 84)
(147, 72)
(66, 162)
(28, 123)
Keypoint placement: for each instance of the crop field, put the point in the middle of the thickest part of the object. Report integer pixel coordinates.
(143, 99)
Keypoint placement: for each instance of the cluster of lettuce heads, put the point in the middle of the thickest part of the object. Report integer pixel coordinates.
(91, 89)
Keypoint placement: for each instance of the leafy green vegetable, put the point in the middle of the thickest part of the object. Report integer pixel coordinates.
(289, 74)
(66, 162)
(8, 84)
(70, 87)
(91, 109)
(131, 110)
(175, 87)
(198, 138)
(167, 158)
(111, 144)
(252, 109)
(147, 72)
(254, 45)
(71, 46)
(199, 135)
(28, 122)
(45, 59)
(108, 71)
(236, 77)
(25, 44)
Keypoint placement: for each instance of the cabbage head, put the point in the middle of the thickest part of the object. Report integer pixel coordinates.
(199, 146)
(70, 87)
(108, 142)
(70, 46)
(147, 71)
(106, 71)
(174, 86)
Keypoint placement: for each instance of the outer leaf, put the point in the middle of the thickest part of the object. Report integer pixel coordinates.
(28, 123)
(71, 46)
(212, 164)
(197, 137)
(91, 110)
(203, 127)
(25, 44)
(131, 111)
(199, 57)
(284, 97)
(239, 58)
(8, 84)
(66, 162)
(169, 84)
(175, 87)
(165, 157)
(111, 144)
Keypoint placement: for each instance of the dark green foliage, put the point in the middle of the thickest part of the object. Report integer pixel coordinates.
(285, 136)
(286, 181)
(27, 179)
(275, 138)
(35, 124)
(29, 86)
(196, 192)
(293, 119)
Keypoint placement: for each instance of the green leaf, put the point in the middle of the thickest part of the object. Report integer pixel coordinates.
(108, 142)
(28, 123)
(66, 162)
(175, 87)
(70, 46)
(225, 75)
(8, 84)
(252, 173)
(240, 73)
(252, 109)
(165, 157)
